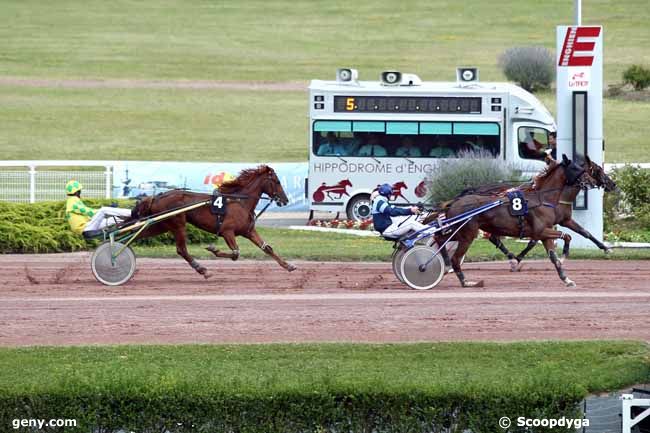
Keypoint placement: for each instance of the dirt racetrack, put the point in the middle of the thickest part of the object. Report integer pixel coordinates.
(54, 300)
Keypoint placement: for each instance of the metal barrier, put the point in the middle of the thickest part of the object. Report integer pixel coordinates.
(32, 181)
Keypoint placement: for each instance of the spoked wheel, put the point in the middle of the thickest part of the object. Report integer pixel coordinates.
(397, 262)
(113, 271)
(421, 269)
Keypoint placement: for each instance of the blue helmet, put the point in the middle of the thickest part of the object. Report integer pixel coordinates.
(386, 190)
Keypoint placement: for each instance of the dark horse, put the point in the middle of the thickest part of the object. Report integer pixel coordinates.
(537, 224)
(241, 195)
(563, 214)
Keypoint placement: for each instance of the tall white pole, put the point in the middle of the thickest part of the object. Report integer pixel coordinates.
(578, 12)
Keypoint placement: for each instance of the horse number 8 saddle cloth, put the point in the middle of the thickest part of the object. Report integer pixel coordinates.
(518, 204)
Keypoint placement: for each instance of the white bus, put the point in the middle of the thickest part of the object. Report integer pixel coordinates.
(365, 133)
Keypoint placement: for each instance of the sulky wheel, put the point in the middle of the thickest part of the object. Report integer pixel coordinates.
(397, 261)
(113, 271)
(421, 269)
(452, 246)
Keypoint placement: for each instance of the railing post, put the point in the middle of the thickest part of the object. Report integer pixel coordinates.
(32, 184)
(108, 181)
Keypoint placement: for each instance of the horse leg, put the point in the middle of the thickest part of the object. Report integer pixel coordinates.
(255, 238)
(445, 257)
(464, 242)
(573, 225)
(514, 263)
(229, 237)
(522, 254)
(181, 249)
(549, 244)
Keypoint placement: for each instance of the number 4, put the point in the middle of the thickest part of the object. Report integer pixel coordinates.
(218, 202)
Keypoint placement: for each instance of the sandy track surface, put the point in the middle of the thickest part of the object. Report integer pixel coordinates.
(114, 83)
(54, 299)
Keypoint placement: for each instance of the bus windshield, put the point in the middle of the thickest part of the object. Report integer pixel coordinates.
(403, 139)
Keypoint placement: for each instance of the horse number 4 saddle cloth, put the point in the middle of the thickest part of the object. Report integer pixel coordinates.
(218, 205)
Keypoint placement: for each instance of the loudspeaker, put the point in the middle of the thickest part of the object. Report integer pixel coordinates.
(346, 75)
(391, 78)
(467, 75)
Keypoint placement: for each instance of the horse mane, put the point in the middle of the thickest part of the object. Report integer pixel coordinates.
(245, 178)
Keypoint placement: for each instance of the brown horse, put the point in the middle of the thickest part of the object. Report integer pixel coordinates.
(536, 225)
(241, 196)
(564, 215)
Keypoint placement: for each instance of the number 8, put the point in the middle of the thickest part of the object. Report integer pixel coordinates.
(516, 204)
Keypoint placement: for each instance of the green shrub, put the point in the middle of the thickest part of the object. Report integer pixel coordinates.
(637, 76)
(634, 183)
(533, 68)
(450, 177)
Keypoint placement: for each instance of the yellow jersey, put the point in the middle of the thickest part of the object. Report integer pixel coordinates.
(77, 214)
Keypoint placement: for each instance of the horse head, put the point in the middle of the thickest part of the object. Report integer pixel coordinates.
(576, 175)
(598, 173)
(345, 183)
(400, 185)
(272, 186)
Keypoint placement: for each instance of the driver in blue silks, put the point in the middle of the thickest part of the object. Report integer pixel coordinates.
(383, 213)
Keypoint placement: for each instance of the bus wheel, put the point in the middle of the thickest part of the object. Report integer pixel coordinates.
(359, 207)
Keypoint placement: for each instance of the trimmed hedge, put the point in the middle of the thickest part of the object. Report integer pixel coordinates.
(450, 387)
(41, 228)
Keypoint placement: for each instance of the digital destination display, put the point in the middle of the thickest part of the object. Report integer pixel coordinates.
(406, 104)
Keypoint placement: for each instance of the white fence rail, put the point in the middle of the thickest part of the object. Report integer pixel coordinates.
(32, 181)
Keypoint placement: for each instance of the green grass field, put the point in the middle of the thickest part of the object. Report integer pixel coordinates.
(460, 367)
(286, 40)
(306, 245)
(268, 41)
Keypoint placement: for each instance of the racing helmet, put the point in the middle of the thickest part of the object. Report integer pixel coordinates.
(386, 190)
(73, 186)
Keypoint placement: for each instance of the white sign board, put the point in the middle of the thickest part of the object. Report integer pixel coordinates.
(580, 69)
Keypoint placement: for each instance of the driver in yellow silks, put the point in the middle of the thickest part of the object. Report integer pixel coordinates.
(85, 219)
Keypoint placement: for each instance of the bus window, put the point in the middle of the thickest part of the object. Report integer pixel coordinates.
(394, 139)
(532, 142)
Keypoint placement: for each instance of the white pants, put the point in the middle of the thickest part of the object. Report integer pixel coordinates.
(101, 220)
(402, 225)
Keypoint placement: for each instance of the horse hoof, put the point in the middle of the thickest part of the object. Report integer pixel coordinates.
(569, 283)
(291, 267)
(513, 265)
(207, 275)
(473, 284)
(212, 248)
(607, 250)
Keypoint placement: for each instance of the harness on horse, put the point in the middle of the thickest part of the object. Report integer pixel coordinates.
(518, 208)
(219, 207)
